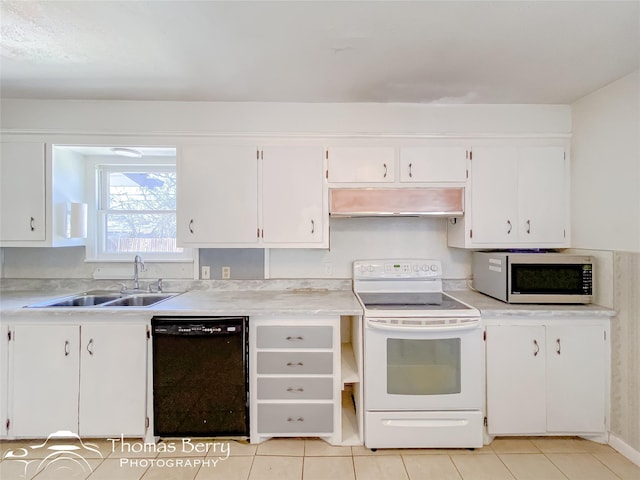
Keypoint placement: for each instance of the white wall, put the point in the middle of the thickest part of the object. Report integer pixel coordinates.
(203, 118)
(364, 238)
(605, 174)
(605, 168)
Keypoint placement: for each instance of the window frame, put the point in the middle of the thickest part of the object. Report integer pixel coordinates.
(96, 238)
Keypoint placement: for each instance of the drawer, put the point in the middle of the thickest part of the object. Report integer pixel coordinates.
(295, 362)
(294, 388)
(295, 418)
(294, 337)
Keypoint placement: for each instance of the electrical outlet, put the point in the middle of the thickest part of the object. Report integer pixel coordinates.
(226, 273)
(205, 272)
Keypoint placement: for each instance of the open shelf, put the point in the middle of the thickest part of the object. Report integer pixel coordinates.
(349, 366)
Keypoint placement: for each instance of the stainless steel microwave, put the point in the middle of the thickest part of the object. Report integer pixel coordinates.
(534, 277)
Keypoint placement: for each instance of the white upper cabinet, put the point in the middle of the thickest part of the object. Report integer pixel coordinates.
(361, 164)
(243, 196)
(517, 197)
(22, 191)
(217, 195)
(294, 206)
(37, 185)
(433, 164)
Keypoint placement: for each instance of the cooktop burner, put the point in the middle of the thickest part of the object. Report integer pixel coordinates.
(410, 301)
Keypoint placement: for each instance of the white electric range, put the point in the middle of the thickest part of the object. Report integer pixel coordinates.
(423, 358)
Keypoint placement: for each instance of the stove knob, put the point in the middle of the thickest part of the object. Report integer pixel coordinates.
(425, 268)
(416, 268)
(371, 268)
(434, 268)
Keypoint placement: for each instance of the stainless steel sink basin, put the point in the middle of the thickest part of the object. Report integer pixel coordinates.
(141, 299)
(85, 301)
(107, 299)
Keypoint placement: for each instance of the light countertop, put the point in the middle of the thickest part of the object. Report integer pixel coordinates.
(266, 302)
(202, 303)
(490, 307)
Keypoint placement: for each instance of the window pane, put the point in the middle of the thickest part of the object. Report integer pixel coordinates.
(141, 191)
(133, 232)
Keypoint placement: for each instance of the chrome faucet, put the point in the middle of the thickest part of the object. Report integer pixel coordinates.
(137, 261)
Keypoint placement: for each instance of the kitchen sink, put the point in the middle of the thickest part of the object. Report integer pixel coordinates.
(107, 299)
(141, 299)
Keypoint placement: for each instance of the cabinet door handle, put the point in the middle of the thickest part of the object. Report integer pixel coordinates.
(295, 339)
(295, 420)
(191, 225)
(90, 347)
(295, 389)
(410, 170)
(510, 227)
(66, 348)
(537, 350)
(558, 349)
(385, 170)
(313, 227)
(528, 226)
(32, 225)
(297, 364)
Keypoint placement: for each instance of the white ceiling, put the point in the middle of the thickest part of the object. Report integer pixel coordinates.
(317, 51)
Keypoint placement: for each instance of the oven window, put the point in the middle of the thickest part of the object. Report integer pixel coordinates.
(423, 367)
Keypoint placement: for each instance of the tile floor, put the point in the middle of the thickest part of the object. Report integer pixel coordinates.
(564, 458)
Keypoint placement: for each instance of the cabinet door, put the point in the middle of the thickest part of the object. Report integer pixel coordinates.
(217, 198)
(494, 195)
(22, 191)
(516, 379)
(542, 198)
(113, 380)
(433, 164)
(4, 379)
(576, 379)
(293, 195)
(361, 164)
(45, 380)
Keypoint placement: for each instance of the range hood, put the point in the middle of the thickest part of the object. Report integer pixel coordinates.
(401, 202)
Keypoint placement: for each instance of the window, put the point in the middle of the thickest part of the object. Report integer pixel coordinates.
(136, 212)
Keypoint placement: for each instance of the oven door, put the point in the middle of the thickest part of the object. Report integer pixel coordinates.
(423, 368)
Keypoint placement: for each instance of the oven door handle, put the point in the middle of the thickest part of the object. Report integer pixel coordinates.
(424, 329)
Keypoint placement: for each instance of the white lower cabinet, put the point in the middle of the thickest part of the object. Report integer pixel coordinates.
(293, 384)
(89, 379)
(549, 377)
(113, 380)
(298, 371)
(45, 373)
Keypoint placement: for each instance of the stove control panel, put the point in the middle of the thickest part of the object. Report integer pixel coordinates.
(405, 268)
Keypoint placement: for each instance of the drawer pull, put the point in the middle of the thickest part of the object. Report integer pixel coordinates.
(295, 389)
(295, 339)
(297, 364)
(295, 420)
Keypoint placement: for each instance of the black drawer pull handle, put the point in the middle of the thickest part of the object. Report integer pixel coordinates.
(295, 339)
(298, 364)
(295, 389)
(295, 420)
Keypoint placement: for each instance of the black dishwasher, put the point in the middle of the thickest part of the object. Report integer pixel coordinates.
(200, 376)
